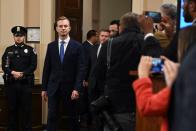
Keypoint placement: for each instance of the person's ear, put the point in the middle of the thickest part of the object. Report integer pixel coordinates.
(69, 28)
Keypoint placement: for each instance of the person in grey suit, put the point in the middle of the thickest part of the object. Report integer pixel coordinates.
(63, 74)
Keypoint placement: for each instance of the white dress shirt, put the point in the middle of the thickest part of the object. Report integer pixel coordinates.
(98, 50)
(65, 45)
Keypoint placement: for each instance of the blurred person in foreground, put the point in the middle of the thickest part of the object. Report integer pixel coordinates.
(189, 16)
(125, 55)
(150, 104)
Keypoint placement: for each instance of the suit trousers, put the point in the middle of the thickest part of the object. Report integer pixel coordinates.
(61, 97)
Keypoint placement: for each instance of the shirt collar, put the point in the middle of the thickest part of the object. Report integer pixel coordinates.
(17, 45)
(90, 42)
(66, 40)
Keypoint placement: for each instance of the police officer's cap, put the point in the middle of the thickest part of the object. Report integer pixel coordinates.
(19, 31)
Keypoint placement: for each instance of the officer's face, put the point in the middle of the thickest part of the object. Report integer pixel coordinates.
(63, 28)
(19, 39)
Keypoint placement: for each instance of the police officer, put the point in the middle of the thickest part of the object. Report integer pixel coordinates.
(19, 61)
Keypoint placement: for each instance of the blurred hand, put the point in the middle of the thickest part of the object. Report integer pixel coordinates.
(144, 66)
(168, 25)
(44, 96)
(74, 95)
(17, 75)
(146, 23)
(85, 83)
(170, 70)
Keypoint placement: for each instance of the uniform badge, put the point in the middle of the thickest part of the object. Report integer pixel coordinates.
(25, 50)
(34, 51)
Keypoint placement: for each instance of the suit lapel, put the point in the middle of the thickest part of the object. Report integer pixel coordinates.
(56, 52)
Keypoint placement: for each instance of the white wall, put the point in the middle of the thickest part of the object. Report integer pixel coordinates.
(87, 17)
(112, 9)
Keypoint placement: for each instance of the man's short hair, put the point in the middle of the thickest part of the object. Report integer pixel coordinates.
(104, 30)
(129, 20)
(170, 10)
(113, 22)
(91, 33)
(60, 18)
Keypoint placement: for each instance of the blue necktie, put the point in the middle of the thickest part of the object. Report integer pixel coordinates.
(62, 51)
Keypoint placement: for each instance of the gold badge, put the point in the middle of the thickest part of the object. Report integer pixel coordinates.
(18, 29)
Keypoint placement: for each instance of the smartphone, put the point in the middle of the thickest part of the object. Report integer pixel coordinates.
(156, 16)
(157, 65)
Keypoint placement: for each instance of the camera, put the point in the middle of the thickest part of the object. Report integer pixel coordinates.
(157, 65)
(156, 16)
(101, 107)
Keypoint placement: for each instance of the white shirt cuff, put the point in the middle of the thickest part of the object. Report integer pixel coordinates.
(147, 35)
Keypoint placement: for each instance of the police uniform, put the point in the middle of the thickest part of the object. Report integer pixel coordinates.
(20, 58)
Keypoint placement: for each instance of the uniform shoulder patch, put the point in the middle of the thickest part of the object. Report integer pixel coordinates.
(34, 51)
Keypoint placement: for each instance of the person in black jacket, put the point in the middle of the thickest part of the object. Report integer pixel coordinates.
(19, 62)
(125, 56)
(91, 41)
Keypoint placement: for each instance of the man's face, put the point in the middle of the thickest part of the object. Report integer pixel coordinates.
(103, 37)
(63, 28)
(113, 30)
(95, 38)
(19, 39)
(188, 8)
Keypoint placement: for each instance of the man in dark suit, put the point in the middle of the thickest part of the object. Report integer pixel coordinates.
(92, 38)
(91, 41)
(125, 55)
(63, 74)
(96, 83)
(182, 114)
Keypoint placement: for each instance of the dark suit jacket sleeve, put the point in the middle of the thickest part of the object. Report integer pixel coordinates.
(185, 107)
(151, 47)
(171, 50)
(87, 59)
(33, 63)
(80, 69)
(46, 70)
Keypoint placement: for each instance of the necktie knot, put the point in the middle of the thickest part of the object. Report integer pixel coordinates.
(62, 42)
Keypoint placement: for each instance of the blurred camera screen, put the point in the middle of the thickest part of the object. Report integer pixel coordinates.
(156, 16)
(157, 65)
(182, 23)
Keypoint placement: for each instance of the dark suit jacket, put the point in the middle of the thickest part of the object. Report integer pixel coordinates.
(70, 73)
(87, 54)
(182, 111)
(96, 82)
(151, 47)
